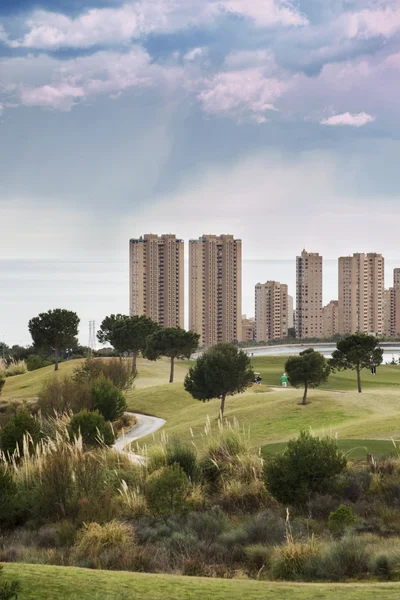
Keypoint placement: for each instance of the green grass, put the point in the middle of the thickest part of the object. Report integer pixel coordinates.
(354, 449)
(270, 416)
(41, 582)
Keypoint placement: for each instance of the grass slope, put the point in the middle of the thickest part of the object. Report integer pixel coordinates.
(41, 582)
(271, 416)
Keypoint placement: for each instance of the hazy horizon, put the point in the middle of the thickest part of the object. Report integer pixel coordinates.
(96, 288)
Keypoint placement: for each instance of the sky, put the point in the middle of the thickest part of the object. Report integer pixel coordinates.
(275, 120)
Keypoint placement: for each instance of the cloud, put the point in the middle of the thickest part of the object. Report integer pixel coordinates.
(371, 23)
(105, 26)
(352, 120)
(242, 94)
(61, 96)
(195, 53)
(266, 13)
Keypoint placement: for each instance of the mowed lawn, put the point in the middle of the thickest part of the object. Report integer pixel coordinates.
(267, 415)
(40, 582)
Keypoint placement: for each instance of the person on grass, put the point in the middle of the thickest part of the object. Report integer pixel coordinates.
(284, 380)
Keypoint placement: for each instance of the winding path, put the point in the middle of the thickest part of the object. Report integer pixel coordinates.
(145, 426)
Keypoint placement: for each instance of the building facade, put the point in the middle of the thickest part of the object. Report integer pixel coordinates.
(361, 293)
(248, 329)
(156, 278)
(271, 310)
(215, 289)
(290, 322)
(309, 322)
(330, 315)
(392, 307)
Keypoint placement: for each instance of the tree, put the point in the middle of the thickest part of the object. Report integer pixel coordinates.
(355, 352)
(93, 428)
(292, 332)
(21, 425)
(127, 334)
(222, 370)
(56, 328)
(310, 369)
(172, 342)
(2, 382)
(107, 399)
(308, 466)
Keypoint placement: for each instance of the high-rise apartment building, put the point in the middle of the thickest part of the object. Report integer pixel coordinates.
(271, 310)
(392, 307)
(215, 289)
(248, 328)
(309, 322)
(361, 293)
(156, 269)
(330, 314)
(290, 319)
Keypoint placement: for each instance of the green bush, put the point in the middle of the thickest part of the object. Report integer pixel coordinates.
(21, 425)
(167, 489)
(347, 558)
(117, 371)
(2, 382)
(34, 362)
(107, 399)
(341, 519)
(308, 466)
(8, 499)
(93, 428)
(185, 456)
(258, 556)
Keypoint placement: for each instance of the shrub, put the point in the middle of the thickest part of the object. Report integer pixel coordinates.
(185, 457)
(341, 519)
(12, 367)
(56, 486)
(266, 528)
(347, 558)
(308, 466)
(167, 489)
(107, 399)
(8, 498)
(2, 382)
(63, 394)
(117, 371)
(21, 426)
(93, 428)
(290, 561)
(258, 556)
(208, 525)
(104, 546)
(34, 362)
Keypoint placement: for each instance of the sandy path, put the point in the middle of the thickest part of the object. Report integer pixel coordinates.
(145, 426)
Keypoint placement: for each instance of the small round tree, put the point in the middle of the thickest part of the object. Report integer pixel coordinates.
(107, 399)
(173, 342)
(309, 369)
(355, 352)
(93, 428)
(21, 425)
(221, 371)
(56, 329)
(308, 466)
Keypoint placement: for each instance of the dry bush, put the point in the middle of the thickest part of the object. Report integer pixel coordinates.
(117, 371)
(61, 395)
(14, 367)
(105, 546)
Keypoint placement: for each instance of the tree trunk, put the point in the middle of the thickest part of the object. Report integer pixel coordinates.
(359, 379)
(134, 357)
(222, 407)
(171, 374)
(304, 401)
(56, 357)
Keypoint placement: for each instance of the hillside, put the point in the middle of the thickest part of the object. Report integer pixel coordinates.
(268, 415)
